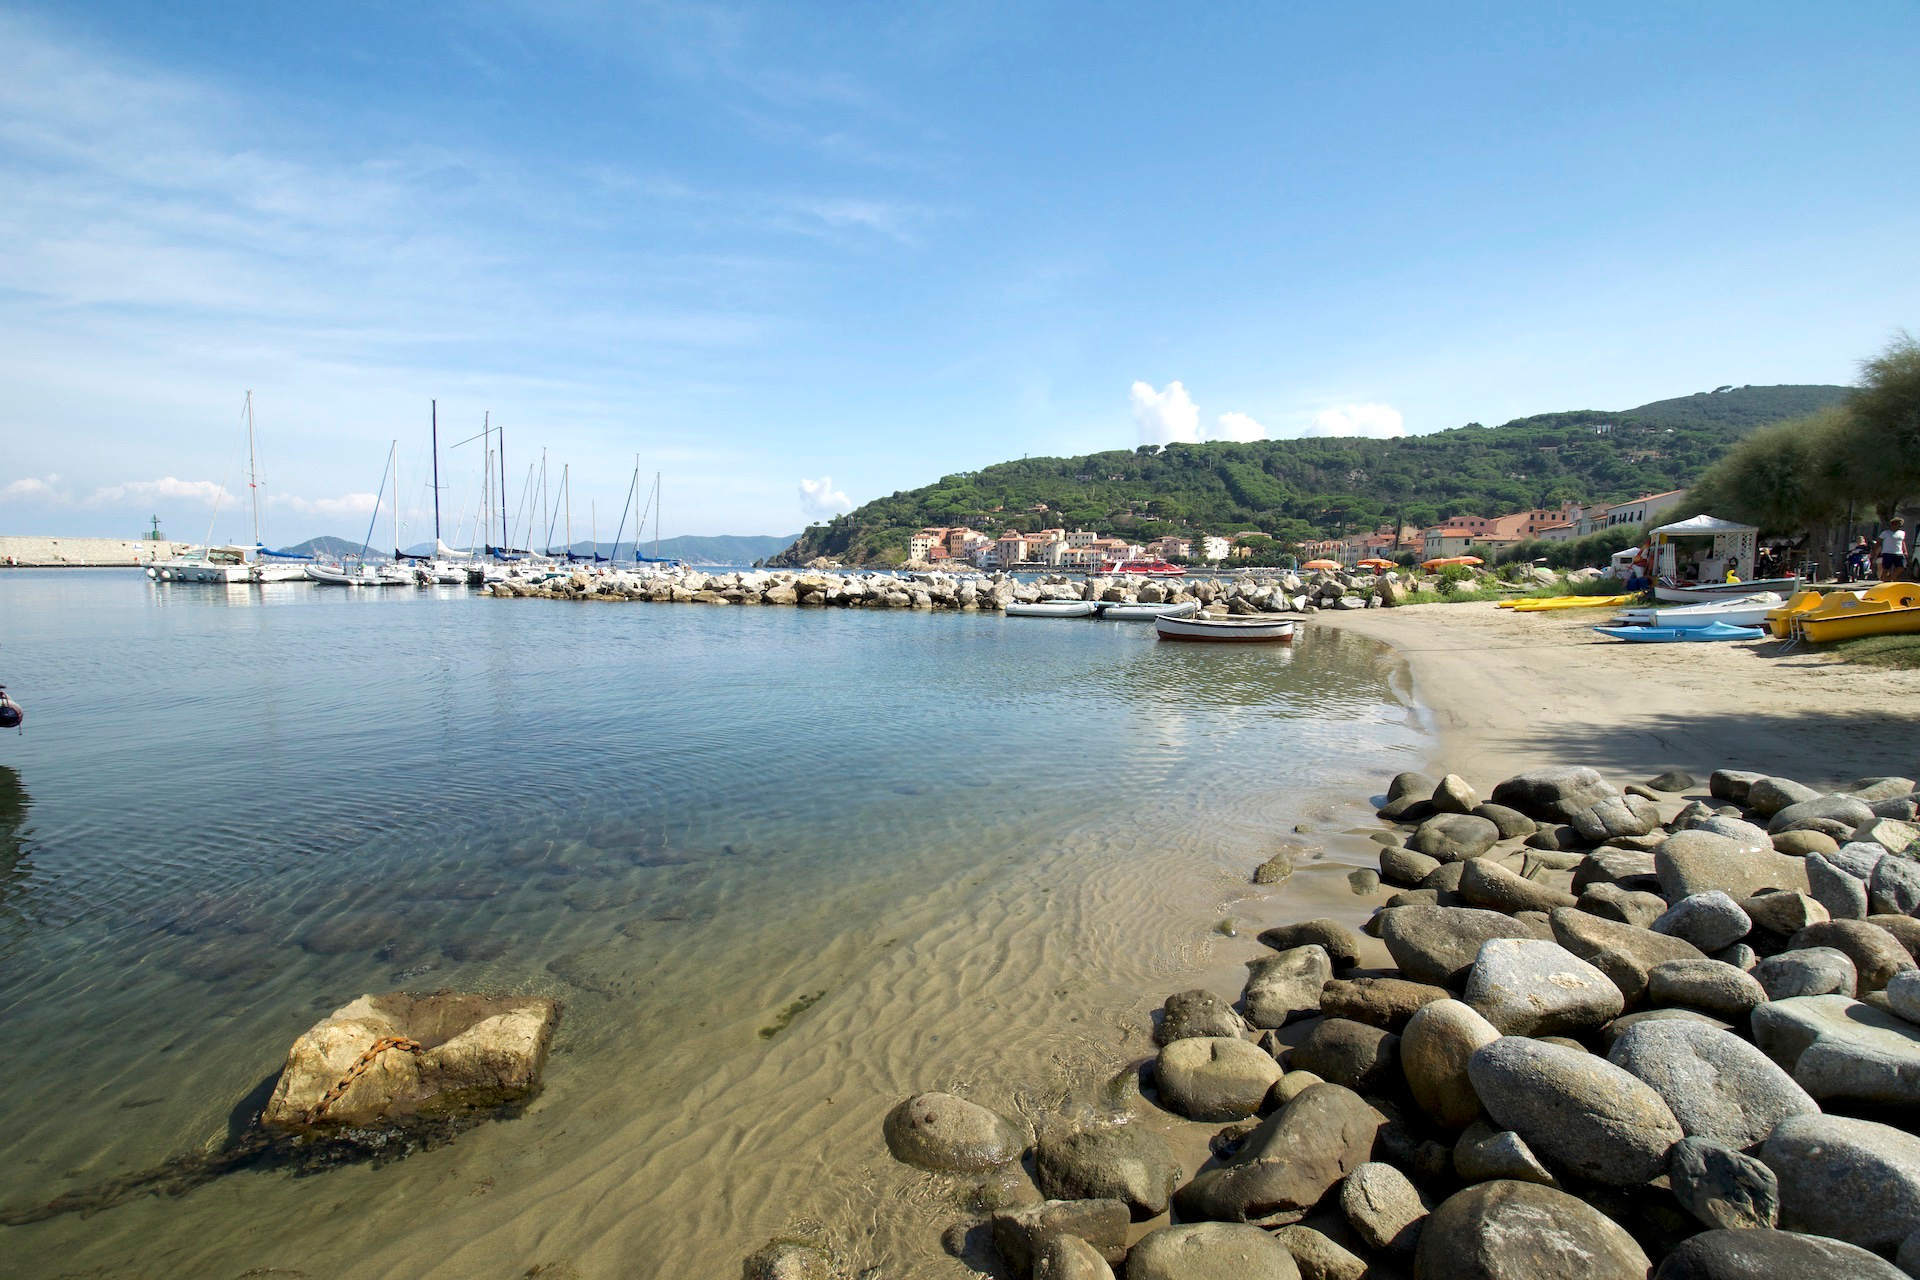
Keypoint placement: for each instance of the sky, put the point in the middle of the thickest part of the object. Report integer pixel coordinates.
(797, 257)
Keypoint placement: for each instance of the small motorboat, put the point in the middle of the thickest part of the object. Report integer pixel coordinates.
(1260, 626)
(1051, 609)
(1666, 635)
(1130, 612)
(1746, 611)
(334, 575)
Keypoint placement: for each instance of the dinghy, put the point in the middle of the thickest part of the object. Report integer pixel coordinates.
(1747, 611)
(1268, 627)
(1129, 612)
(1662, 635)
(1051, 609)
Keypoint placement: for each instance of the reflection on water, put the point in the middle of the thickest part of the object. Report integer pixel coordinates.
(678, 820)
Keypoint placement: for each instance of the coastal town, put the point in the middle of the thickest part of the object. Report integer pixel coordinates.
(943, 546)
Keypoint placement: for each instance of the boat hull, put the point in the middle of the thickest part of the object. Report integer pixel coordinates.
(1878, 622)
(1553, 604)
(1709, 591)
(1227, 630)
(1713, 631)
(1146, 612)
(1052, 609)
(1749, 611)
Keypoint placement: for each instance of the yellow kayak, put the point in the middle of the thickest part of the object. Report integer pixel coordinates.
(1550, 603)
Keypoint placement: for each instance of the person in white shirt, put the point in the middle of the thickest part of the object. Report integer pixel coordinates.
(1893, 551)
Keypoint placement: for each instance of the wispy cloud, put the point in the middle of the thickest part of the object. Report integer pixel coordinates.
(33, 489)
(347, 504)
(205, 493)
(1375, 421)
(1239, 427)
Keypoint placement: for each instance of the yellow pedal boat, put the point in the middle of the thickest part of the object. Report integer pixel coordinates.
(1779, 622)
(1892, 608)
(1548, 604)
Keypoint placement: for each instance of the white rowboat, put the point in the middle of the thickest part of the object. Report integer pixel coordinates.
(1051, 609)
(1746, 611)
(1709, 592)
(1265, 627)
(1147, 612)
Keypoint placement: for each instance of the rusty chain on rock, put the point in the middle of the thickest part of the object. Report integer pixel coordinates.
(359, 1068)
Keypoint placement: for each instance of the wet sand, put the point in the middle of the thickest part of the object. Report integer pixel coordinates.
(1506, 691)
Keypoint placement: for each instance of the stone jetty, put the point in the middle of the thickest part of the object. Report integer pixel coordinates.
(1249, 594)
(1670, 1030)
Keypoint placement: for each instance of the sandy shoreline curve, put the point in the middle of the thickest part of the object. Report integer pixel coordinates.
(1504, 692)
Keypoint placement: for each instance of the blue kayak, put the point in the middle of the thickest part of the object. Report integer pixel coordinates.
(1661, 635)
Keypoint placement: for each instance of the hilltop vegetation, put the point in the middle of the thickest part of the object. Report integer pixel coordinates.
(1300, 489)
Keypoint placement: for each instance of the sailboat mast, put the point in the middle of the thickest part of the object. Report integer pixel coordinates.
(543, 501)
(566, 493)
(593, 523)
(486, 480)
(507, 543)
(436, 477)
(393, 452)
(253, 475)
(656, 515)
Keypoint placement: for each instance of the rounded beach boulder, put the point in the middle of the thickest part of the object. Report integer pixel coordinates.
(946, 1134)
(1215, 1078)
(1210, 1251)
(1579, 1112)
(1510, 1230)
(1554, 794)
(1763, 1254)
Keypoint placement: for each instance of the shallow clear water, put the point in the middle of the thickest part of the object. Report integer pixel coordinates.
(987, 842)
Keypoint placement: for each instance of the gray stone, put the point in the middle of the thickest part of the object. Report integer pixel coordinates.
(951, 1135)
(1293, 1159)
(1454, 795)
(1743, 833)
(1612, 1032)
(1904, 930)
(1892, 835)
(1384, 1209)
(1342, 944)
(1410, 784)
(1809, 971)
(1197, 1013)
(1318, 1257)
(1552, 838)
(1853, 1180)
(1782, 913)
(1102, 1224)
(1708, 985)
(1876, 954)
(1344, 1052)
(1510, 1230)
(1690, 815)
(1379, 1002)
(1900, 808)
(1274, 870)
(1629, 868)
(1739, 955)
(1845, 810)
(1214, 1077)
(1760, 1254)
(1434, 1051)
(1858, 859)
(1709, 920)
(1785, 1029)
(1732, 785)
(1716, 1084)
(1860, 1056)
(1578, 1111)
(1406, 809)
(1768, 796)
(1063, 1257)
(790, 1260)
(1615, 816)
(1844, 896)
(1895, 887)
(1673, 781)
(1483, 1154)
(1802, 843)
(1874, 790)
(1210, 1251)
(1405, 867)
(1611, 902)
(1440, 944)
(1526, 987)
(1286, 986)
(1126, 1162)
(1512, 823)
(1453, 836)
(1721, 1187)
(1486, 883)
(1903, 995)
(1690, 862)
(1553, 794)
(1625, 954)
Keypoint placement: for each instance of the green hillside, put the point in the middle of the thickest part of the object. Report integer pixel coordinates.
(1300, 489)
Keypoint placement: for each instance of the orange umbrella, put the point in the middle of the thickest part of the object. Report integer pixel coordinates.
(1375, 562)
(1444, 561)
(1321, 564)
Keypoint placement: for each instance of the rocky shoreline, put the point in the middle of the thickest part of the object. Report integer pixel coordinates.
(1669, 1030)
(1285, 592)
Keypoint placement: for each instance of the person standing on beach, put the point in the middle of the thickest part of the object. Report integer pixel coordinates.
(1893, 551)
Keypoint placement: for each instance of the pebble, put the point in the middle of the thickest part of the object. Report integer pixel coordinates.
(1287, 1164)
(1613, 902)
(951, 1135)
(1197, 1013)
(1625, 954)
(1440, 944)
(1482, 1155)
(1842, 894)
(1344, 1052)
(1876, 954)
(1381, 1002)
(1318, 1257)
(1451, 837)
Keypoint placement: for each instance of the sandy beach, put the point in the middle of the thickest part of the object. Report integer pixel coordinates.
(1507, 691)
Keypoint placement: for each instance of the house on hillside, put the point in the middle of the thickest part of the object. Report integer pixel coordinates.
(1643, 512)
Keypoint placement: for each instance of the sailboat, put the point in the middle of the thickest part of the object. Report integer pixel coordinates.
(360, 573)
(232, 565)
(653, 506)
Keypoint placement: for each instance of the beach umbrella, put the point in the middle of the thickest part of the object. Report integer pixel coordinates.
(1468, 560)
(1375, 562)
(1321, 564)
(1444, 561)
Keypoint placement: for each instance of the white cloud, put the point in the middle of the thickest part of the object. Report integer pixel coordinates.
(1375, 421)
(33, 487)
(167, 488)
(1165, 417)
(819, 499)
(1238, 427)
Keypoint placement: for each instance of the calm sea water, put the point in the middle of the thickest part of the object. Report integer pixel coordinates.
(235, 809)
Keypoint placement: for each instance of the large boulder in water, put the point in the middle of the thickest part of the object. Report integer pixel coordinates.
(384, 1059)
(951, 1135)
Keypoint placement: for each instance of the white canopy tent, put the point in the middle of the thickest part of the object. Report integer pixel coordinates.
(1703, 549)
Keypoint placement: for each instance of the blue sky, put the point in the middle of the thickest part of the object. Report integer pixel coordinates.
(801, 256)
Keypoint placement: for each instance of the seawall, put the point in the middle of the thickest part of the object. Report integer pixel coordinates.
(35, 552)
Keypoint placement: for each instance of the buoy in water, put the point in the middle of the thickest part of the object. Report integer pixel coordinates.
(12, 714)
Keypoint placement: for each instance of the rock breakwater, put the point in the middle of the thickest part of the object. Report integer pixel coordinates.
(1538, 1076)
